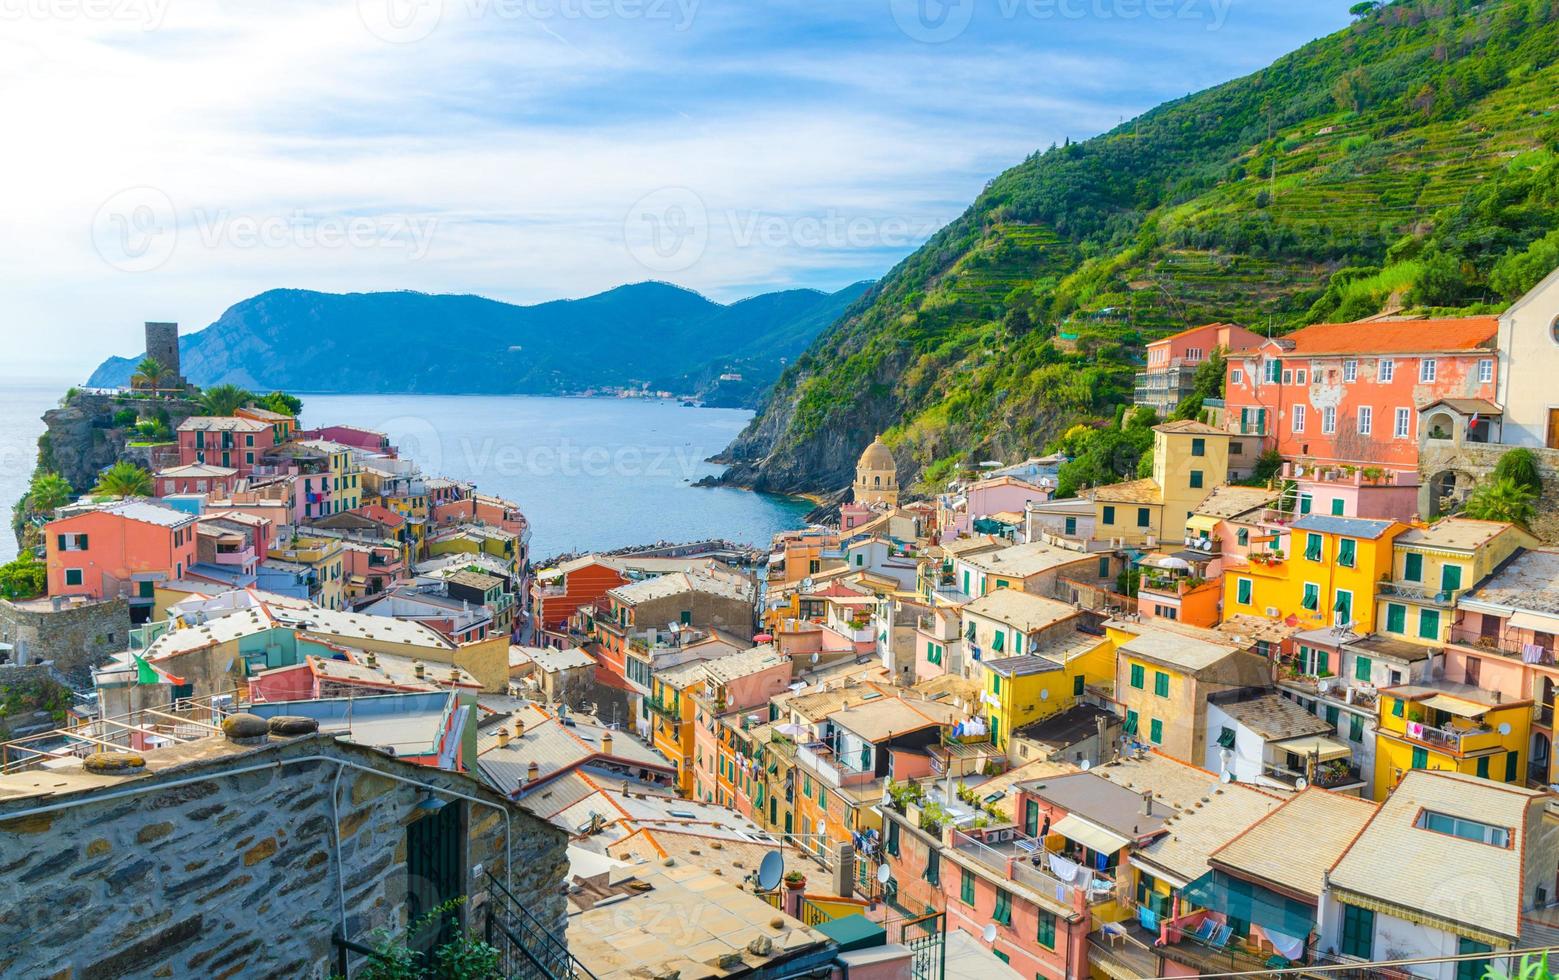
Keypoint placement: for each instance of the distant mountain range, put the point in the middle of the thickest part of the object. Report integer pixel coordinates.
(405, 342)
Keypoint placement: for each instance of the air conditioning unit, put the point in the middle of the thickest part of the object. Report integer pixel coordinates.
(1272, 612)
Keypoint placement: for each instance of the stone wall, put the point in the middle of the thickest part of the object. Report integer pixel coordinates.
(237, 875)
(1472, 463)
(75, 637)
(80, 440)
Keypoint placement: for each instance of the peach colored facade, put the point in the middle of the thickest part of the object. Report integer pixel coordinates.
(104, 553)
(1193, 346)
(1350, 393)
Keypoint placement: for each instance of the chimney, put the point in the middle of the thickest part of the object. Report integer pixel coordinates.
(1147, 802)
(418, 669)
(606, 742)
(373, 660)
(519, 728)
(533, 773)
(454, 675)
(503, 737)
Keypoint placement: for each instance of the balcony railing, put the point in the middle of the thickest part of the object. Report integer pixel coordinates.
(1458, 741)
(1023, 859)
(1512, 646)
(1418, 592)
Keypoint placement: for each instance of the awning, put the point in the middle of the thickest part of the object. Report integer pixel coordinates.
(1455, 706)
(1093, 837)
(1202, 522)
(1157, 560)
(1250, 902)
(1533, 622)
(1323, 748)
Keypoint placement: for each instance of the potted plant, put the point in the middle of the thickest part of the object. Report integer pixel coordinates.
(795, 880)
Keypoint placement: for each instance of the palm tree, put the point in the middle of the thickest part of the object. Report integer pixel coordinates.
(124, 479)
(223, 400)
(47, 493)
(1502, 500)
(147, 373)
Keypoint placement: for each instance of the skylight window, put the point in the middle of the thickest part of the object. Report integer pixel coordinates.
(1472, 830)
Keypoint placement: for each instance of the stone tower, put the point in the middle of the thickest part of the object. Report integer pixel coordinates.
(877, 476)
(162, 343)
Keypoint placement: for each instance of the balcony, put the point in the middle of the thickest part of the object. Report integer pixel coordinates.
(1328, 775)
(241, 556)
(669, 712)
(1523, 645)
(1024, 860)
(1456, 741)
(1417, 592)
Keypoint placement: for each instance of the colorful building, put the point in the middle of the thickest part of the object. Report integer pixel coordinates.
(1433, 567)
(1189, 460)
(1319, 571)
(1450, 727)
(229, 442)
(119, 549)
(1172, 362)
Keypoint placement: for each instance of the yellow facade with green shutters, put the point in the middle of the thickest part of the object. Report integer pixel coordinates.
(1464, 731)
(1017, 695)
(1326, 575)
(1432, 567)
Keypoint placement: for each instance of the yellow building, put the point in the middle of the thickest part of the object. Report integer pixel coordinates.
(322, 556)
(1189, 460)
(1164, 673)
(344, 476)
(1323, 571)
(1432, 567)
(876, 476)
(1452, 727)
(1028, 688)
(672, 710)
(476, 539)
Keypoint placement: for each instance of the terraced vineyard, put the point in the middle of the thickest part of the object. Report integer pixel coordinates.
(1409, 161)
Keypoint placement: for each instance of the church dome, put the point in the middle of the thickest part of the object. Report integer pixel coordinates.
(877, 457)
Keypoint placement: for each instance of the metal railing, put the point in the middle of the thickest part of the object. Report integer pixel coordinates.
(526, 948)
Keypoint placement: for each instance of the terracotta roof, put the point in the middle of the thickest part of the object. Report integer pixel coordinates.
(1231, 501)
(379, 515)
(1191, 426)
(1131, 492)
(1191, 330)
(1327, 823)
(1471, 333)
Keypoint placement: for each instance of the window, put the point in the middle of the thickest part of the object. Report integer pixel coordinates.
(1138, 676)
(1070, 526)
(1299, 376)
(1311, 601)
(146, 589)
(1428, 369)
(1196, 479)
(1198, 447)
(1337, 506)
(1161, 684)
(996, 678)
(1450, 577)
(1358, 932)
(1396, 618)
(1413, 567)
(1312, 546)
(1486, 370)
(1104, 567)
(892, 843)
(1361, 669)
(1130, 726)
(1288, 377)
(934, 866)
(1144, 517)
(1237, 376)
(1306, 500)
(966, 887)
(1242, 537)
(1242, 591)
(1473, 830)
(1429, 624)
(1404, 423)
(1003, 911)
(1366, 419)
(822, 797)
(1079, 684)
(1350, 370)
(1274, 370)
(1348, 553)
(1420, 758)
(1385, 370)
(1108, 514)
(72, 576)
(1343, 608)
(1297, 420)
(1471, 969)
(1328, 420)
(1047, 929)
(1156, 731)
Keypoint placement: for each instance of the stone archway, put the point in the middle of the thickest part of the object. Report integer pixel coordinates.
(1447, 491)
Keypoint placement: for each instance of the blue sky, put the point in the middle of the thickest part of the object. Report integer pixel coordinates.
(177, 158)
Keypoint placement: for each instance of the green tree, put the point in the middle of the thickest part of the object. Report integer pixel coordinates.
(1441, 282)
(1502, 500)
(223, 400)
(124, 479)
(23, 578)
(1365, 8)
(1206, 383)
(147, 373)
(280, 401)
(47, 492)
(1520, 465)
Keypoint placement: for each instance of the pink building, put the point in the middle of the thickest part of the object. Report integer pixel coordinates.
(232, 443)
(998, 495)
(196, 478)
(350, 435)
(1347, 492)
(123, 548)
(1172, 362)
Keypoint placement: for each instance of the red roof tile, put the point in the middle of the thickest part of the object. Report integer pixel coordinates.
(379, 515)
(1470, 333)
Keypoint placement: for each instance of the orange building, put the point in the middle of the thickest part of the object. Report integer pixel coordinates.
(581, 582)
(123, 548)
(1351, 392)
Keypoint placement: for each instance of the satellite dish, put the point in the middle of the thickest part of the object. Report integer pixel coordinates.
(1044, 695)
(770, 871)
(1301, 783)
(989, 932)
(883, 874)
(1504, 728)
(1085, 765)
(1225, 778)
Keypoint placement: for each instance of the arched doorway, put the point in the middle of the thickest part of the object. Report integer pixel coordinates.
(1448, 490)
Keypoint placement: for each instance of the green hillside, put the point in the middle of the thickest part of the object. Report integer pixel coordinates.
(1409, 161)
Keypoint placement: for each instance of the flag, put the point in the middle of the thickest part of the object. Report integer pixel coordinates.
(145, 673)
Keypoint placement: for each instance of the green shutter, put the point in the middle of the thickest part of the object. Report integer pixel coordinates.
(1312, 547)
(1347, 553)
(1413, 567)
(1161, 684)
(1358, 932)
(1108, 515)
(1355, 728)
(1312, 597)
(1512, 766)
(1047, 929)
(1428, 624)
(1243, 589)
(1337, 507)
(1361, 668)
(1138, 674)
(1396, 618)
(1079, 684)
(1156, 731)
(1450, 577)
(1420, 758)
(1130, 727)
(966, 888)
